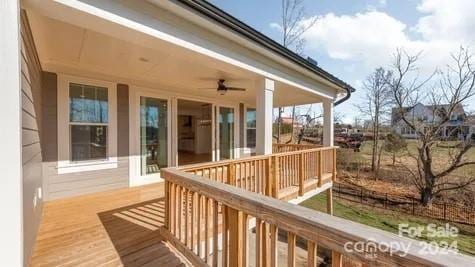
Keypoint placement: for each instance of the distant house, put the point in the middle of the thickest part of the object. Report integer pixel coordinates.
(459, 126)
(288, 120)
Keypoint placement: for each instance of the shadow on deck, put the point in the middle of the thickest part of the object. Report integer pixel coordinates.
(115, 228)
(134, 232)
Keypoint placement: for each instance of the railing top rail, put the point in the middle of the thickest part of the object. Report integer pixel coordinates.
(309, 150)
(251, 158)
(315, 145)
(222, 162)
(319, 227)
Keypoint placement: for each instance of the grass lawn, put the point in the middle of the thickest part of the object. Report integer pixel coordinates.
(389, 220)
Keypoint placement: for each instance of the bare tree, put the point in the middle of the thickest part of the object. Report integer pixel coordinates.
(293, 15)
(376, 105)
(293, 27)
(454, 87)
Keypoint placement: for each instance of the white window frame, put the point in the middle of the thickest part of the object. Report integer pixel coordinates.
(135, 93)
(65, 164)
(248, 149)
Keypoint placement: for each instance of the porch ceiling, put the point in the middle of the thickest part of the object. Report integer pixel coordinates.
(141, 60)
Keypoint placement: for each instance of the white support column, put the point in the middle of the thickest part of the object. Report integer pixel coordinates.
(264, 106)
(328, 122)
(11, 202)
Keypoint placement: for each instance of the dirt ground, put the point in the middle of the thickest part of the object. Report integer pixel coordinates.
(354, 168)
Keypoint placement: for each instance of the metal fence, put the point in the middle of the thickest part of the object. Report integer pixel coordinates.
(439, 210)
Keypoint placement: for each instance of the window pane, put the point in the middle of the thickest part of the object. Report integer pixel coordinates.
(88, 142)
(88, 103)
(251, 118)
(251, 138)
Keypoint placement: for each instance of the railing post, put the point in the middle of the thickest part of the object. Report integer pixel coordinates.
(320, 168)
(269, 169)
(167, 205)
(301, 175)
(273, 184)
(330, 200)
(334, 165)
(237, 246)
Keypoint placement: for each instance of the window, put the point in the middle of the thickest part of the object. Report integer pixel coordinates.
(88, 122)
(407, 130)
(251, 127)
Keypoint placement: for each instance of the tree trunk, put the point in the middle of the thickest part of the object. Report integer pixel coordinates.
(379, 162)
(426, 196)
(374, 152)
(292, 132)
(394, 159)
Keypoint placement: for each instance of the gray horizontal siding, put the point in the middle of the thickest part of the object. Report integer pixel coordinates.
(64, 185)
(31, 136)
(79, 183)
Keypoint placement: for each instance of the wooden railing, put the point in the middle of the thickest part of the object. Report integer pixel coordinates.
(216, 224)
(282, 175)
(279, 148)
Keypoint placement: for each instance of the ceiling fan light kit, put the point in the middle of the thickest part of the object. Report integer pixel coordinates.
(222, 88)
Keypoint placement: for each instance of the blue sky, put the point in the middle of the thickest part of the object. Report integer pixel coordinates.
(352, 37)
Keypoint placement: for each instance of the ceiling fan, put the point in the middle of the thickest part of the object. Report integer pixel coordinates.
(222, 88)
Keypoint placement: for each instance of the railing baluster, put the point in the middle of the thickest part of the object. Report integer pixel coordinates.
(274, 239)
(225, 234)
(193, 220)
(301, 175)
(311, 254)
(215, 233)
(337, 259)
(198, 234)
(206, 207)
(186, 217)
(180, 212)
(291, 249)
(258, 242)
(172, 212)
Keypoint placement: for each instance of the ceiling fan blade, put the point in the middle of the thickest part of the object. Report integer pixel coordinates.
(236, 89)
(207, 88)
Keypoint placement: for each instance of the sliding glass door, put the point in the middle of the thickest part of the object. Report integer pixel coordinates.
(153, 135)
(226, 132)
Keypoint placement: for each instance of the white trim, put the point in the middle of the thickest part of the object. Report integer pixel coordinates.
(210, 101)
(11, 192)
(264, 110)
(135, 92)
(236, 150)
(65, 165)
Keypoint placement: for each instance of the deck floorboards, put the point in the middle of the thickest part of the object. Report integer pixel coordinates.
(114, 228)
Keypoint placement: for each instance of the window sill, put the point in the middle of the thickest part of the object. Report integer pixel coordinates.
(65, 167)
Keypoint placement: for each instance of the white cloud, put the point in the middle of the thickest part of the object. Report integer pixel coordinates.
(371, 37)
(447, 20)
(276, 26)
(367, 37)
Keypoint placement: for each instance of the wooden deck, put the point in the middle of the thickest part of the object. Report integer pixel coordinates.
(115, 228)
